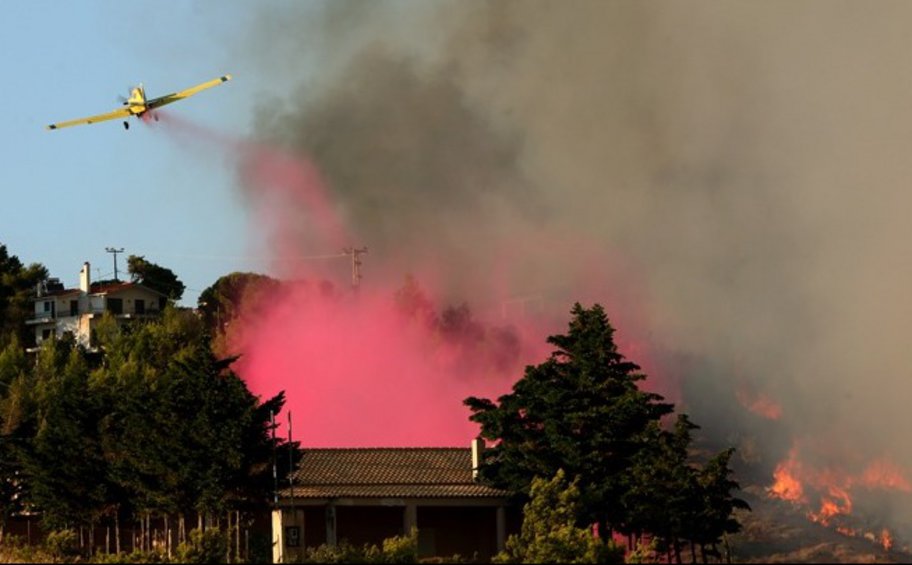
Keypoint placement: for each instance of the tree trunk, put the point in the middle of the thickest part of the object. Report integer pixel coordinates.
(693, 552)
(117, 531)
(167, 537)
(107, 540)
(677, 550)
(237, 536)
(703, 552)
(228, 537)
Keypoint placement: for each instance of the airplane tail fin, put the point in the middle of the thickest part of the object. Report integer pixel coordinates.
(137, 95)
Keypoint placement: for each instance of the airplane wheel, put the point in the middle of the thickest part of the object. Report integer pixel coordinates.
(155, 116)
(126, 125)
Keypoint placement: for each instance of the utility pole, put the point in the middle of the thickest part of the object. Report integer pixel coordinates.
(355, 255)
(115, 252)
(291, 468)
(275, 474)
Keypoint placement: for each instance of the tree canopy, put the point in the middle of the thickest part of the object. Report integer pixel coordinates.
(581, 411)
(17, 286)
(156, 277)
(155, 424)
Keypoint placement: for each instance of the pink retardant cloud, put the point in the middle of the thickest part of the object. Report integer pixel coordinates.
(358, 372)
(358, 369)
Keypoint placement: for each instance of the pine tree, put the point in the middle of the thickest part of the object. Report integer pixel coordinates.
(580, 410)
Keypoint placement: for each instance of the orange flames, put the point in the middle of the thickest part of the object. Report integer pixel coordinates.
(799, 483)
(758, 403)
(886, 539)
(883, 474)
(786, 485)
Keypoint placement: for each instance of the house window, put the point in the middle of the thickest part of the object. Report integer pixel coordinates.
(46, 334)
(115, 305)
(47, 306)
(74, 307)
(139, 306)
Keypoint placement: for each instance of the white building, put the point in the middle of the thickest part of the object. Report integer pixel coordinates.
(59, 310)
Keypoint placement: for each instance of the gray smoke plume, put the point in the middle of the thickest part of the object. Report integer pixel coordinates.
(743, 163)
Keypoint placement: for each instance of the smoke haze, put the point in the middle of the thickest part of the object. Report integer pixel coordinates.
(730, 180)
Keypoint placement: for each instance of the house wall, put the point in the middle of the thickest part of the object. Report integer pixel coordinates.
(314, 526)
(443, 531)
(130, 295)
(68, 324)
(446, 531)
(368, 524)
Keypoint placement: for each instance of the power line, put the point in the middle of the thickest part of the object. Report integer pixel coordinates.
(248, 257)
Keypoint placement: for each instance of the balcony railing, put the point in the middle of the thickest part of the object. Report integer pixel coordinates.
(38, 316)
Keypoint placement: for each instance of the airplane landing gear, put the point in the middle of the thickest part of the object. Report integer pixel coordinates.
(126, 125)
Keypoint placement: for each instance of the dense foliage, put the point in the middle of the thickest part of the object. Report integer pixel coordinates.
(156, 277)
(17, 286)
(549, 532)
(397, 549)
(152, 424)
(581, 411)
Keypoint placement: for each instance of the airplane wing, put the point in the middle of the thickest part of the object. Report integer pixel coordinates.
(120, 113)
(174, 97)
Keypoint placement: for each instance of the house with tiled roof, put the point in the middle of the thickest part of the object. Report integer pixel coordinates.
(59, 310)
(368, 494)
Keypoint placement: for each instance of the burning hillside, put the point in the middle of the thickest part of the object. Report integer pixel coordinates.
(828, 495)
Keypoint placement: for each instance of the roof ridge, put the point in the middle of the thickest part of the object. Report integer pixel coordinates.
(387, 483)
(306, 449)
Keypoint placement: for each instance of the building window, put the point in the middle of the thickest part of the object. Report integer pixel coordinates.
(46, 334)
(139, 306)
(47, 306)
(74, 307)
(115, 305)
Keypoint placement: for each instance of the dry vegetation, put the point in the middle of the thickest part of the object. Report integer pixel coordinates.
(776, 532)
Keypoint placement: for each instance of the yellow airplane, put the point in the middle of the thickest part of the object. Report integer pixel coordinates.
(137, 105)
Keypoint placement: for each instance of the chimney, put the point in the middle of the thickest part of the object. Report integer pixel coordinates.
(478, 446)
(85, 282)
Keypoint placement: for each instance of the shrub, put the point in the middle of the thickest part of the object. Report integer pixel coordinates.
(203, 547)
(549, 532)
(62, 544)
(397, 549)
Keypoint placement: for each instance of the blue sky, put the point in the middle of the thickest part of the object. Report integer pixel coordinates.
(69, 194)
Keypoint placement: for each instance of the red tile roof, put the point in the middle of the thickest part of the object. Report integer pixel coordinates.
(110, 287)
(114, 287)
(56, 293)
(388, 473)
